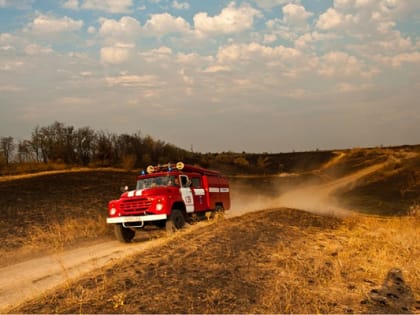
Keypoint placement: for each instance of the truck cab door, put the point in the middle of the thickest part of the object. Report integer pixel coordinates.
(186, 193)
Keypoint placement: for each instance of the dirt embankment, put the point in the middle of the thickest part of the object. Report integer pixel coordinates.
(272, 261)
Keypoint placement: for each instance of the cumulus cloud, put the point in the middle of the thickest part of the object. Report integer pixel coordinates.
(34, 49)
(180, 5)
(217, 68)
(397, 61)
(126, 28)
(269, 4)
(256, 51)
(127, 80)
(230, 20)
(115, 54)
(337, 64)
(370, 26)
(111, 6)
(164, 23)
(295, 15)
(158, 54)
(71, 4)
(11, 65)
(44, 24)
(333, 19)
(18, 4)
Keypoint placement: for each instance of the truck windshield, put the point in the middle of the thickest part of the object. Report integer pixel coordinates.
(156, 182)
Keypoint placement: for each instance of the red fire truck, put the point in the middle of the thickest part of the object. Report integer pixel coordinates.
(168, 195)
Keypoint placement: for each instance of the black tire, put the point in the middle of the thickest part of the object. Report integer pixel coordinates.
(160, 223)
(123, 234)
(175, 222)
(218, 213)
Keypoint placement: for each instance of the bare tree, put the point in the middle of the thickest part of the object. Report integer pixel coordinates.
(85, 139)
(7, 146)
(25, 151)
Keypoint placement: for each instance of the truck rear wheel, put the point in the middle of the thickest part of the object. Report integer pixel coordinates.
(176, 221)
(218, 213)
(123, 234)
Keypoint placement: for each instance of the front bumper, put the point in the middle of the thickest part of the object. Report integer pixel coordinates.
(140, 219)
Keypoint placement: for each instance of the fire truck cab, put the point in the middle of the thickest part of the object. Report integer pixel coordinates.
(168, 195)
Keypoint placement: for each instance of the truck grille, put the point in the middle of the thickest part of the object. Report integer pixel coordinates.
(132, 206)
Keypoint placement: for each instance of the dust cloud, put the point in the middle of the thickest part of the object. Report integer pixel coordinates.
(313, 197)
(308, 197)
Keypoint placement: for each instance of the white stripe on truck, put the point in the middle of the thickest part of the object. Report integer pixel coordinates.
(217, 189)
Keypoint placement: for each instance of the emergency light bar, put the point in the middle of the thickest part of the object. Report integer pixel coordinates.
(151, 169)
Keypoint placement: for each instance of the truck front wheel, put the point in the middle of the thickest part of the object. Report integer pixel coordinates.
(123, 234)
(176, 221)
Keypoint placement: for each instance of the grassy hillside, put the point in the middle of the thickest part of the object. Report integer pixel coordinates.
(61, 209)
(273, 261)
(393, 190)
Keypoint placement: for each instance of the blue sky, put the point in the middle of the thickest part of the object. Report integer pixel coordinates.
(255, 76)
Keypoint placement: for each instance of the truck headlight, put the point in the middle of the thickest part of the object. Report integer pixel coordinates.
(112, 211)
(159, 206)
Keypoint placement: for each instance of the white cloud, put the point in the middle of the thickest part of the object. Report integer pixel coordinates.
(403, 58)
(230, 20)
(269, 38)
(186, 78)
(158, 54)
(217, 68)
(71, 4)
(34, 49)
(369, 25)
(255, 51)
(295, 15)
(44, 24)
(337, 64)
(345, 87)
(269, 4)
(111, 6)
(18, 4)
(126, 80)
(332, 19)
(127, 28)
(307, 40)
(180, 5)
(11, 65)
(164, 23)
(193, 59)
(115, 54)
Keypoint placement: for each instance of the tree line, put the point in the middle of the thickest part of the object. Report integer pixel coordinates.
(59, 143)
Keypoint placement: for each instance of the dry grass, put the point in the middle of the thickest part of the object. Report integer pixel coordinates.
(274, 261)
(336, 271)
(71, 230)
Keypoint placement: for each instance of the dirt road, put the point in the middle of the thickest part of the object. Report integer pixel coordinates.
(28, 279)
(24, 280)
